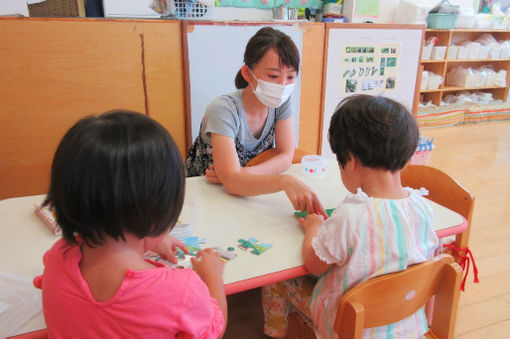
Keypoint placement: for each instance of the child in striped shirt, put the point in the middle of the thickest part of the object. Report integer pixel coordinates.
(380, 227)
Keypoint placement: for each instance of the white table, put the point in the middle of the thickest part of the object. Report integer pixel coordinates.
(220, 218)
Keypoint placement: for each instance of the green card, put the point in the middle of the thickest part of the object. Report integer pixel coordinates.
(304, 213)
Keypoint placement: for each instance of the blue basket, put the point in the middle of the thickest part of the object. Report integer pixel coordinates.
(442, 21)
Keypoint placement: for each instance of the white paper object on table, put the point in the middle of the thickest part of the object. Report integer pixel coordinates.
(20, 301)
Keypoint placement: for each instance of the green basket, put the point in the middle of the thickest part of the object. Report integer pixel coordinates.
(442, 21)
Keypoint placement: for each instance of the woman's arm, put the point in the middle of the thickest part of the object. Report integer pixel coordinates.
(228, 171)
(284, 147)
(312, 262)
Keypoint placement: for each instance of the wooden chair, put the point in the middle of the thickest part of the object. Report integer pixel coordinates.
(269, 153)
(392, 297)
(389, 298)
(443, 190)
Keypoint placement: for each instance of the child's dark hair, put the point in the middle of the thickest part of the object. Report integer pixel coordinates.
(116, 173)
(379, 131)
(265, 39)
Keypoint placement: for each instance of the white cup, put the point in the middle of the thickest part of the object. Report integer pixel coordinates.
(313, 165)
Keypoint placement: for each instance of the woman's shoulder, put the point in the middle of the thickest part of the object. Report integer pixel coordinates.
(225, 101)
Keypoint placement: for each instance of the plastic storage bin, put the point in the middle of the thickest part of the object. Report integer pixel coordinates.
(424, 80)
(441, 21)
(465, 21)
(193, 10)
(463, 52)
(453, 52)
(484, 52)
(438, 52)
(426, 52)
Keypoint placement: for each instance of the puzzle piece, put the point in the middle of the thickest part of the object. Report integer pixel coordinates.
(192, 243)
(304, 213)
(258, 247)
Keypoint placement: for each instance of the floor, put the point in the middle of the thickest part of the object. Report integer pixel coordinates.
(478, 156)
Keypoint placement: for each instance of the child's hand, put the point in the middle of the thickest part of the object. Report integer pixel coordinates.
(311, 222)
(167, 248)
(208, 265)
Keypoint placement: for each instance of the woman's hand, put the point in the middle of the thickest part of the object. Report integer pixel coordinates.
(302, 197)
(167, 248)
(208, 265)
(210, 175)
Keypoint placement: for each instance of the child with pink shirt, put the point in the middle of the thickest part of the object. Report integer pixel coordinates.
(117, 187)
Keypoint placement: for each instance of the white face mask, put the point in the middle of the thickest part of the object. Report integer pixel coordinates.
(271, 94)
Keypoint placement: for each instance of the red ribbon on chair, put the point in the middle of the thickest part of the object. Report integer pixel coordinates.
(464, 254)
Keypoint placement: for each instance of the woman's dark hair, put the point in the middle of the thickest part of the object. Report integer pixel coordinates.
(379, 131)
(116, 173)
(265, 39)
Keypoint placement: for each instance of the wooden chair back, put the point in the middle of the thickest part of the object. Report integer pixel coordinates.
(443, 190)
(389, 298)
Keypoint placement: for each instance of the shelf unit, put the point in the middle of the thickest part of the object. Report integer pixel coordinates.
(443, 66)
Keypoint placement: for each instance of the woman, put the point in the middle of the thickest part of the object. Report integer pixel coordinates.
(239, 126)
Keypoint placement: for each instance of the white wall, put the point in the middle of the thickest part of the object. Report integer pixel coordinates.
(13, 7)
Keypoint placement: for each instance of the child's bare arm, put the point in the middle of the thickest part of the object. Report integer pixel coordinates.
(210, 269)
(312, 262)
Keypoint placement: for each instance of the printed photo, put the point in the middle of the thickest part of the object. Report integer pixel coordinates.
(370, 50)
(360, 59)
(351, 85)
(383, 62)
(367, 84)
(358, 49)
(390, 83)
(363, 50)
(385, 50)
(379, 83)
(393, 50)
(347, 71)
(381, 72)
(347, 50)
(391, 62)
(354, 59)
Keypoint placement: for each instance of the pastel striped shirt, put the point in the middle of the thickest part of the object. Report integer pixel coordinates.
(367, 237)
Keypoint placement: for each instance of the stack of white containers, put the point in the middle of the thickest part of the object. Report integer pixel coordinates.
(485, 47)
(483, 76)
(430, 80)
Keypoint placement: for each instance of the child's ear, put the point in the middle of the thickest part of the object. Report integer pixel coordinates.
(352, 163)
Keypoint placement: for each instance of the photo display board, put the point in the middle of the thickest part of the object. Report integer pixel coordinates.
(374, 61)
